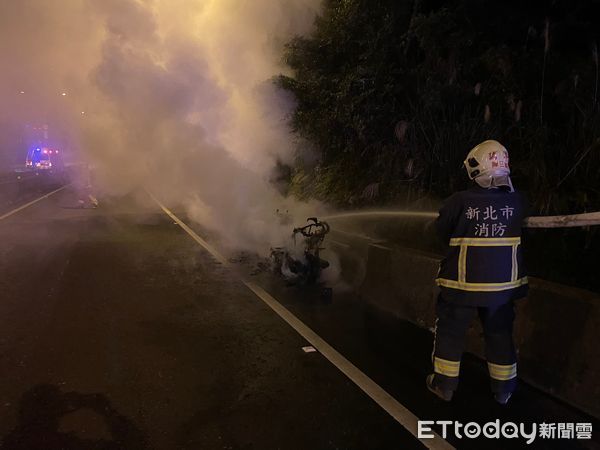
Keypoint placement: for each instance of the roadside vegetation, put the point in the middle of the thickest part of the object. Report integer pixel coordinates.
(392, 94)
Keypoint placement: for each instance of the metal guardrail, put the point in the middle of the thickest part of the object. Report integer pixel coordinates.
(574, 220)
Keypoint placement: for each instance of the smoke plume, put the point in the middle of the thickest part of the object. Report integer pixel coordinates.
(174, 96)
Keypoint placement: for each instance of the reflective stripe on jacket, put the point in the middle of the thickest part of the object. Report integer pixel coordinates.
(483, 265)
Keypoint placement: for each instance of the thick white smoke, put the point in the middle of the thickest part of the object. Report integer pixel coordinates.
(170, 95)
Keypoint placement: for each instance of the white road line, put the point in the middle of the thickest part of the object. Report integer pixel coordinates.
(388, 403)
(191, 232)
(33, 202)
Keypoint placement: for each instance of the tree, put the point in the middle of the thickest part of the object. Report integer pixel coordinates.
(394, 94)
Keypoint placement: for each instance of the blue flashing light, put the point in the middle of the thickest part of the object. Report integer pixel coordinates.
(37, 149)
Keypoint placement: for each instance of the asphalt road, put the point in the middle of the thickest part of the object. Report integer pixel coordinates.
(16, 188)
(118, 331)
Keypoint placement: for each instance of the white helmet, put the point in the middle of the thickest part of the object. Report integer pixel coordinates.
(487, 164)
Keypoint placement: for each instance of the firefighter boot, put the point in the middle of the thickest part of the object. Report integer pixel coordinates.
(443, 394)
(503, 397)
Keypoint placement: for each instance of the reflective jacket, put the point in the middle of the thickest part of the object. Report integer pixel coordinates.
(483, 266)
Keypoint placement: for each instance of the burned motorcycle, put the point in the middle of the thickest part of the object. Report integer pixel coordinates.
(302, 266)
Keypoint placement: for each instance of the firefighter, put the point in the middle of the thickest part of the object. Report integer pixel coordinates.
(482, 273)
